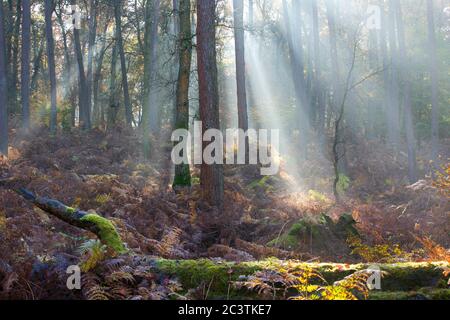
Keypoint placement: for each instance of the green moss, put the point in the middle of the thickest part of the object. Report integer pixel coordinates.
(215, 276)
(182, 176)
(401, 280)
(263, 184)
(321, 232)
(107, 232)
(71, 210)
(424, 294)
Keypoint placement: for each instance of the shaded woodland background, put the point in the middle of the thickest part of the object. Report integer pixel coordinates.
(87, 111)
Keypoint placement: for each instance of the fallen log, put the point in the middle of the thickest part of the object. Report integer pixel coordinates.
(405, 278)
(103, 228)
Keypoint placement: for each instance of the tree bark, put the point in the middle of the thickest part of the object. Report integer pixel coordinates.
(405, 78)
(92, 47)
(25, 76)
(434, 81)
(97, 106)
(318, 77)
(14, 73)
(182, 171)
(393, 112)
(386, 75)
(238, 6)
(150, 61)
(37, 60)
(101, 227)
(68, 87)
(3, 89)
(211, 175)
(84, 105)
(49, 7)
(113, 100)
(298, 70)
(123, 65)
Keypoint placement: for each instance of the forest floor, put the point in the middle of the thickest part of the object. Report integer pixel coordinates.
(255, 245)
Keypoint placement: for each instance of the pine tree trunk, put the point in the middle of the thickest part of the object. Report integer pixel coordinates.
(3, 89)
(92, 47)
(123, 65)
(393, 112)
(238, 6)
(25, 77)
(182, 171)
(150, 61)
(298, 70)
(318, 76)
(434, 81)
(405, 78)
(51, 63)
(83, 97)
(211, 175)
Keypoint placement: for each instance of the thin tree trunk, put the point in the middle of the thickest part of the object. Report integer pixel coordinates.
(393, 112)
(25, 76)
(335, 70)
(49, 7)
(238, 6)
(13, 81)
(434, 81)
(318, 78)
(298, 70)
(3, 89)
(91, 48)
(150, 61)
(404, 76)
(386, 75)
(113, 101)
(68, 86)
(211, 175)
(123, 64)
(83, 98)
(97, 109)
(182, 171)
(37, 62)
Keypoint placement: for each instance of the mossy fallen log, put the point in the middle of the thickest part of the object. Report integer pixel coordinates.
(103, 228)
(404, 278)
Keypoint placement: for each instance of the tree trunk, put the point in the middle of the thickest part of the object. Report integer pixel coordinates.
(68, 87)
(335, 67)
(92, 47)
(238, 6)
(211, 175)
(393, 112)
(13, 81)
(182, 171)
(51, 63)
(3, 89)
(37, 61)
(150, 61)
(113, 100)
(97, 107)
(405, 78)
(318, 78)
(25, 77)
(386, 76)
(434, 81)
(84, 105)
(298, 70)
(123, 65)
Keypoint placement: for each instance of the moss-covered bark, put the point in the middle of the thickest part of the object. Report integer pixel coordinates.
(402, 280)
(103, 228)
